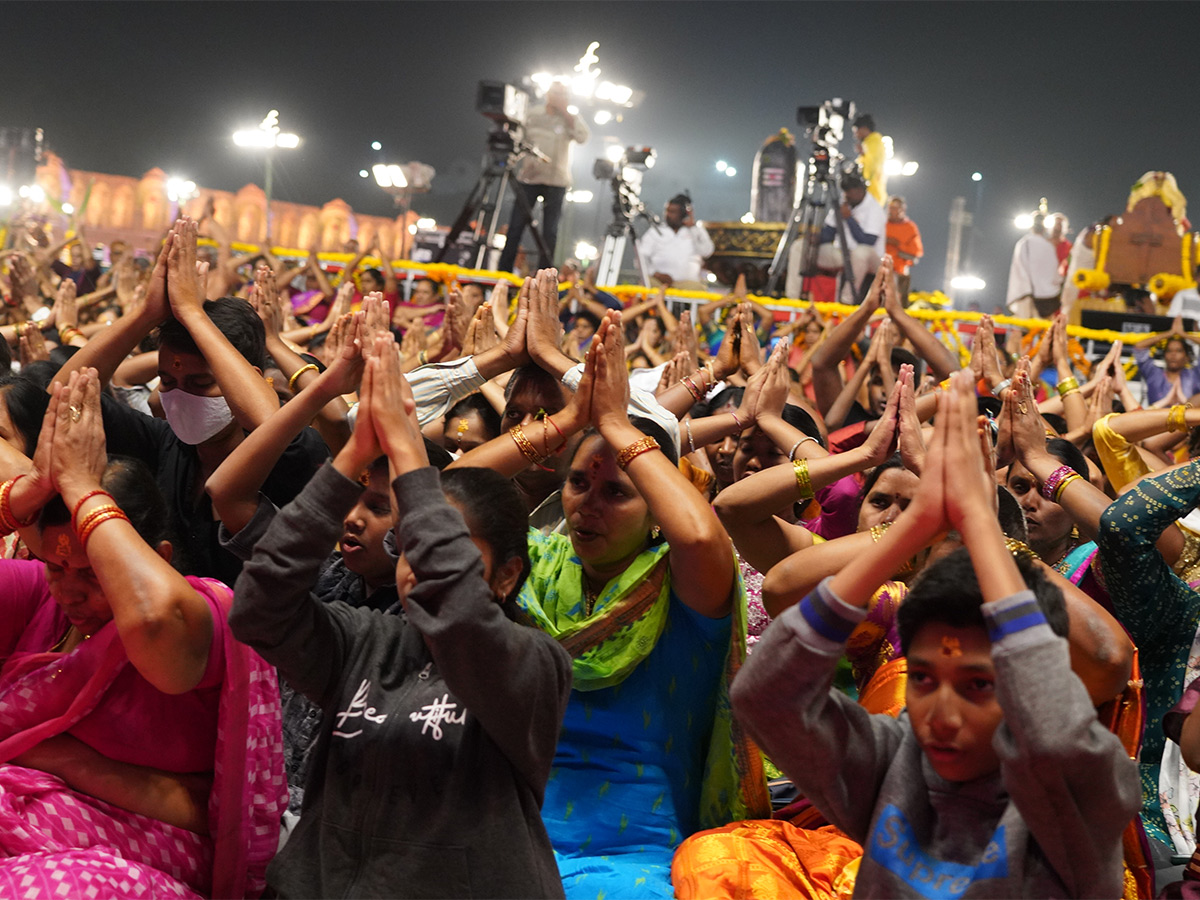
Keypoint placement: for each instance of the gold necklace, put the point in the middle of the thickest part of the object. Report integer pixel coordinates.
(62, 642)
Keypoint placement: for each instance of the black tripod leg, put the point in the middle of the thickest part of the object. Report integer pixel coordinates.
(469, 211)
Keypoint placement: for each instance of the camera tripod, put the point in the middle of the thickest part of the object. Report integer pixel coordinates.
(627, 208)
(505, 150)
(820, 192)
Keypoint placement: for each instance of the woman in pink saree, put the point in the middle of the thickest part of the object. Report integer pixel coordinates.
(140, 747)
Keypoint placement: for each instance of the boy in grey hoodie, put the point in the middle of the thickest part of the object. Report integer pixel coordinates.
(998, 780)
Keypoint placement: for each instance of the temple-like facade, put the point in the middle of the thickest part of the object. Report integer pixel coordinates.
(138, 210)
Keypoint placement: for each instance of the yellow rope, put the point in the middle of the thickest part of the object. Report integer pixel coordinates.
(447, 273)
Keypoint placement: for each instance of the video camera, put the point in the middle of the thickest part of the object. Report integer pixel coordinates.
(505, 104)
(635, 158)
(825, 124)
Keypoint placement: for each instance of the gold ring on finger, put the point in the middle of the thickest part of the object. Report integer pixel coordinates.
(76, 412)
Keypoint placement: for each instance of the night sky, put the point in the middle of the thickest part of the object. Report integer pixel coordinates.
(1071, 101)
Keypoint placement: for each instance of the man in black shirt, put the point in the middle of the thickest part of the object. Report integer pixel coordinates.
(211, 358)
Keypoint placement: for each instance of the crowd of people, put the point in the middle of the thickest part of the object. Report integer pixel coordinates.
(314, 589)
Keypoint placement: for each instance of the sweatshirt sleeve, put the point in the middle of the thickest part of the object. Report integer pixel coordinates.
(1068, 775)
(514, 679)
(834, 750)
(274, 609)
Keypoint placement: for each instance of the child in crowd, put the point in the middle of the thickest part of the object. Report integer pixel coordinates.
(998, 780)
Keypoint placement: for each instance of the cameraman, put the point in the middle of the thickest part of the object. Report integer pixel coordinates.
(551, 131)
(866, 240)
(673, 255)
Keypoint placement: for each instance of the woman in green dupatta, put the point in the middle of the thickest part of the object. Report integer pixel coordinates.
(645, 595)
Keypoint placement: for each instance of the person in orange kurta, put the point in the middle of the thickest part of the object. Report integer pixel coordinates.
(903, 243)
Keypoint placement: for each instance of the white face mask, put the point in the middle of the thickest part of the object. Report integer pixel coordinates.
(195, 419)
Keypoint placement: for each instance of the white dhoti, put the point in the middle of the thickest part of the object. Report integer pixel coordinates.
(863, 261)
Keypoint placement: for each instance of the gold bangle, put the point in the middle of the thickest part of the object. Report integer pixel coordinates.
(517, 433)
(1176, 417)
(1067, 385)
(637, 448)
(311, 367)
(1062, 485)
(1019, 548)
(96, 521)
(803, 481)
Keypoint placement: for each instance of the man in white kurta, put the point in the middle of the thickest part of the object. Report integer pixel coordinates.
(674, 252)
(1034, 279)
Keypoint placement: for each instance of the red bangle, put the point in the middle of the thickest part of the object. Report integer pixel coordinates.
(85, 498)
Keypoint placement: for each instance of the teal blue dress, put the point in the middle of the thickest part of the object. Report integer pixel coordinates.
(625, 787)
(1160, 611)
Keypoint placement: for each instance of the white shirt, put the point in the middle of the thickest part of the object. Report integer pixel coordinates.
(1185, 303)
(870, 218)
(1034, 270)
(552, 134)
(675, 253)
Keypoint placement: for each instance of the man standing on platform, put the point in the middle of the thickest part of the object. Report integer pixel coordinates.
(674, 251)
(551, 131)
(1034, 279)
(872, 155)
(865, 223)
(903, 244)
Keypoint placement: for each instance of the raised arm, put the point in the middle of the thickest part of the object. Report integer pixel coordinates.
(701, 558)
(166, 627)
(544, 335)
(235, 485)
(108, 349)
(249, 396)
(827, 382)
(941, 360)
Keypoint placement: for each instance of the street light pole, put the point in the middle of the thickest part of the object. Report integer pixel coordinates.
(267, 136)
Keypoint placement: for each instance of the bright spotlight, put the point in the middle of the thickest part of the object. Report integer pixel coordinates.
(722, 165)
(1024, 221)
(363, 173)
(731, 171)
(967, 283)
(426, 224)
(712, 278)
(910, 168)
(68, 208)
(977, 176)
(389, 176)
(893, 166)
(614, 152)
(748, 219)
(36, 194)
(602, 117)
(287, 141)
(585, 251)
(579, 196)
(375, 145)
(180, 190)
(573, 110)
(6, 195)
(412, 229)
